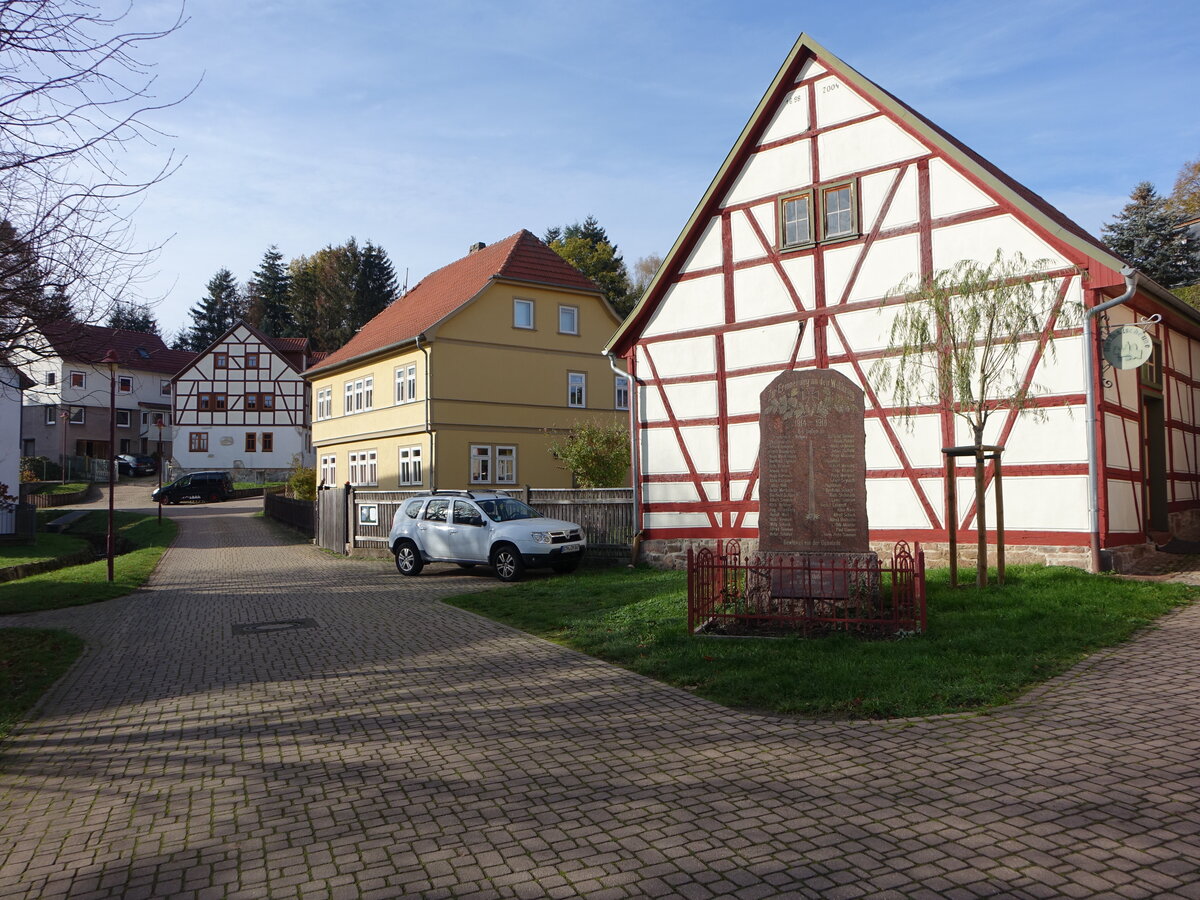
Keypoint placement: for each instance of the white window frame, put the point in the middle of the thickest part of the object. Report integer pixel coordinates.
(51, 414)
(412, 383)
(329, 469)
(51, 379)
(506, 464)
(368, 393)
(410, 466)
(78, 416)
(123, 414)
(164, 387)
(401, 387)
(577, 381)
(124, 384)
(621, 392)
(81, 377)
(324, 403)
(519, 304)
(481, 463)
(364, 468)
(348, 408)
(571, 313)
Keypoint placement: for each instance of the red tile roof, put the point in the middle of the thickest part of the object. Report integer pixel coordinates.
(134, 349)
(519, 257)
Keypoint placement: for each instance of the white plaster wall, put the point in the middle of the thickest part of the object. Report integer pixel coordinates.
(873, 190)
(707, 252)
(1121, 442)
(743, 394)
(950, 192)
(1124, 506)
(810, 69)
(288, 442)
(838, 103)
(743, 446)
(697, 303)
(892, 503)
(920, 438)
(887, 263)
(768, 172)
(745, 242)
(1042, 503)
(880, 452)
(865, 146)
(980, 240)
(1060, 437)
(689, 356)
(693, 399)
(675, 520)
(869, 329)
(799, 271)
(764, 346)
(659, 445)
(758, 292)
(703, 446)
(669, 492)
(791, 117)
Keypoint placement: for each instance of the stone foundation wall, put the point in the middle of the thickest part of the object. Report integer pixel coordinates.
(672, 554)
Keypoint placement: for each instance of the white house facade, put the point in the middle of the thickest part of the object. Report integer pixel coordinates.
(242, 406)
(835, 193)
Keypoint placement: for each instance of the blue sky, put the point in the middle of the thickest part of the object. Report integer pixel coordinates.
(425, 127)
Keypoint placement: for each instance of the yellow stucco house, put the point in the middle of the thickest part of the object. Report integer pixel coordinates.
(468, 378)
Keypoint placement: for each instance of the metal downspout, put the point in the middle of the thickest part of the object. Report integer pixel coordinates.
(1089, 365)
(428, 413)
(633, 454)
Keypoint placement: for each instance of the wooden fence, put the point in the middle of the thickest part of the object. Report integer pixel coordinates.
(298, 514)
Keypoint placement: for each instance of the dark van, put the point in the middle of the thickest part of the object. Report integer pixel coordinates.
(199, 486)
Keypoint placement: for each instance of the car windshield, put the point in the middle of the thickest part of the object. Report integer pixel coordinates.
(505, 509)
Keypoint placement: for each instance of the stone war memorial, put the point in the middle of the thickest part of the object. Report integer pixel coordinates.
(813, 570)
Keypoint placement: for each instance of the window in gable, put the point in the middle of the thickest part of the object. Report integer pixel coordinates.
(795, 218)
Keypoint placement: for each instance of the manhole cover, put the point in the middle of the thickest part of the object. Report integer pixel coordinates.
(267, 627)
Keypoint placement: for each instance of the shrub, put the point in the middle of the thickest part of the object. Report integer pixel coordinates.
(39, 468)
(303, 483)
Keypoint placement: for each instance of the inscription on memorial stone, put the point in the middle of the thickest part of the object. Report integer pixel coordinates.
(812, 464)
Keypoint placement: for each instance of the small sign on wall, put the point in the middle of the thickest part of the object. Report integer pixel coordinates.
(368, 514)
(1127, 347)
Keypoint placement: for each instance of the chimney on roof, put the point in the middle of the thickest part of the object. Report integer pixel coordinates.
(478, 245)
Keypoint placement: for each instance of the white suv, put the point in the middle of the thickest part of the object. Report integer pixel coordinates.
(477, 527)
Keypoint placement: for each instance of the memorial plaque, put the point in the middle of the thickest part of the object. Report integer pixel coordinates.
(812, 465)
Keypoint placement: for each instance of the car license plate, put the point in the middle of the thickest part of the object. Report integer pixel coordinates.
(573, 549)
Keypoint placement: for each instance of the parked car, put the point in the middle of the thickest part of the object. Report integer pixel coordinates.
(199, 486)
(129, 464)
(482, 528)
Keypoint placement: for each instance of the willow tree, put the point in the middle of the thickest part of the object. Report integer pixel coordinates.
(956, 344)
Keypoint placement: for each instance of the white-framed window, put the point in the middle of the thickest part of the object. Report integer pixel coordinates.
(568, 320)
(839, 216)
(506, 465)
(124, 384)
(76, 415)
(123, 418)
(51, 414)
(577, 389)
(522, 313)
(364, 469)
(795, 220)
(369, 392)
(348, 408)
(621, 392)
(329, 469)
(481, 464)
(78, 379)
(51, 379)
(164, 387)
(411, 375)
(401, 387)
(325, 403)
(410, 465)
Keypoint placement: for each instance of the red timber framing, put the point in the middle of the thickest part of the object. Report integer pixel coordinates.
(1085, 273)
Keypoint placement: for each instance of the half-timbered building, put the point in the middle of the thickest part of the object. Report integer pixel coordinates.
(834, 193)
(243, 406)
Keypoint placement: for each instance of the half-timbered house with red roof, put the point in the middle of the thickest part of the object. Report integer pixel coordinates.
(834, 193)
(242, 406)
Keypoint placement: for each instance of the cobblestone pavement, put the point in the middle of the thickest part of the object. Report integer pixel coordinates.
(391, 746)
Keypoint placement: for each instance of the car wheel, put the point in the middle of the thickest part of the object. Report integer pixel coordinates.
(467, 566)
(408, 559)
(567, 565)
(213, 497)
(507, 562)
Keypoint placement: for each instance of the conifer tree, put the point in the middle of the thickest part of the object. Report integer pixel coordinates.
(586, 246)
(133, 317)
(216, 313)
(1146, 234)
(268, 297)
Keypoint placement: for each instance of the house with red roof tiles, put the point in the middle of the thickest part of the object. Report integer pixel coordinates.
(468, 378)
(242, 406)
(835, 193)
(66, 411)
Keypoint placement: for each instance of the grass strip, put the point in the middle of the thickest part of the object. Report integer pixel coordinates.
(48, 546)
(30, 661)
(69, 488)
(78, 585)
(981, 648)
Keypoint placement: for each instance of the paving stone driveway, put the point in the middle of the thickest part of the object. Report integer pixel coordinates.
(398, 747)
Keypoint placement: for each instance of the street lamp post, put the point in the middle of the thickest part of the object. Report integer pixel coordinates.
(160, 468)
(111, 360)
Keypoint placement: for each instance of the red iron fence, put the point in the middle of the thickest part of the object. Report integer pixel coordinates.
(770, 594)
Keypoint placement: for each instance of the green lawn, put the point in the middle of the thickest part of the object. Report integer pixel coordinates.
(71, 487)
(981, 648)
(48, 546)
(77, 585)
(30, 661)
